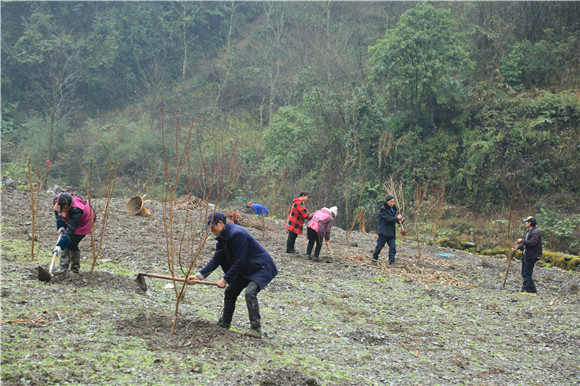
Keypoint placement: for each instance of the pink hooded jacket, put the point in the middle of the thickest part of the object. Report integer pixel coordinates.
(321, 222)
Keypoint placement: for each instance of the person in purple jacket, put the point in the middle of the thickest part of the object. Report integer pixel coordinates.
(73, 221)
(246, 264)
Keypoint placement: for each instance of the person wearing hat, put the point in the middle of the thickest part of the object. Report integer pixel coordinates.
(318, 228)
(531, 246)
(73, 222)
(260, 210)
(245, 263)
(298, 213)
(388, 217)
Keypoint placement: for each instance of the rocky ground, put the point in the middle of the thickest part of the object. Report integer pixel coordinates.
(443, 318)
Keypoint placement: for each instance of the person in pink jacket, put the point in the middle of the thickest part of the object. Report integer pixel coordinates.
(319, 230)
(73, 221)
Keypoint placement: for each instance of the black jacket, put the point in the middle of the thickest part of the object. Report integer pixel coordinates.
(387, 220)
(532, 244)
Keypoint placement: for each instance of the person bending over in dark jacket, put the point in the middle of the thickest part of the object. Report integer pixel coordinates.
(246, 264)
(386, 229)
(531, 245)
(260, 210)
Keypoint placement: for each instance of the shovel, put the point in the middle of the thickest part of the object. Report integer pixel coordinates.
(143, 284)
(43, 274)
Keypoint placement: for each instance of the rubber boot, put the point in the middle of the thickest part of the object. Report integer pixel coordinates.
(254, 314)
(64, 262)
(223, 324)
(75, 258)
(225, 320)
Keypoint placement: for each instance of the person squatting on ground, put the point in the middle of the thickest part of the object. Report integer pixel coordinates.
(73, 221)
(386, 229)
(531, 246)
(318, 228)
(298, 213)
(260, 210)
(246, 264)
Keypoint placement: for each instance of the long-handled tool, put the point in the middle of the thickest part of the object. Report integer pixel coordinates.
(330, 250)
(43, 274)
(508, 268)
(140, 279)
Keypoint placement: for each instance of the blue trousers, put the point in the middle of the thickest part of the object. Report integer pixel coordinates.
(391, 242)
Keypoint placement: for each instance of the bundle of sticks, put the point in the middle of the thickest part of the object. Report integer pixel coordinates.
(249, 220)
(190, 202)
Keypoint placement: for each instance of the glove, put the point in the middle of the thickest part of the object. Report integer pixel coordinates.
(60, 231)
(198, 276)
(57, 250)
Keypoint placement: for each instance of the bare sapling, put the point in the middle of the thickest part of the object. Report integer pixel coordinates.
(422, 206)
(277, 181)
(105, 189)
(438, 205)
(272, 183)
(357, 212)
(518, 209)
(36, 184)
(346, 212)
(212, 179)
(172, 223)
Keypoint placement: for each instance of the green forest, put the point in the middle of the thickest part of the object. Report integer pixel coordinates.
(474, 103)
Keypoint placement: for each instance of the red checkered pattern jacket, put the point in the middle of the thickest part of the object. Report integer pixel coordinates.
(298, 213)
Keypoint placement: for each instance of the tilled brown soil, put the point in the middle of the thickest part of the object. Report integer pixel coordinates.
(438, 319)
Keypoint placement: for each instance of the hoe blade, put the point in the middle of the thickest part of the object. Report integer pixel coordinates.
(140, 279)
(44, 275)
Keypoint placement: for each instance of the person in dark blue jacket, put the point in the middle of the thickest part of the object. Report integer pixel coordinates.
(388, 217)
(246, 264)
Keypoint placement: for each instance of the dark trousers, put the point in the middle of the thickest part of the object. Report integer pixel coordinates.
(73, 246)
(527, 271)
(69, 257)
(290, 242)
(313, 238)
(231, 295)
(381, 241)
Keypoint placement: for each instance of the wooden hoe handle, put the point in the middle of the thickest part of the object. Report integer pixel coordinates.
(179, 279)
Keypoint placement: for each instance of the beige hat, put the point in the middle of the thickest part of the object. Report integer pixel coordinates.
(333, 210)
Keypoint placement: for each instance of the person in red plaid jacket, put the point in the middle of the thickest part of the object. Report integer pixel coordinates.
(298, 213)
